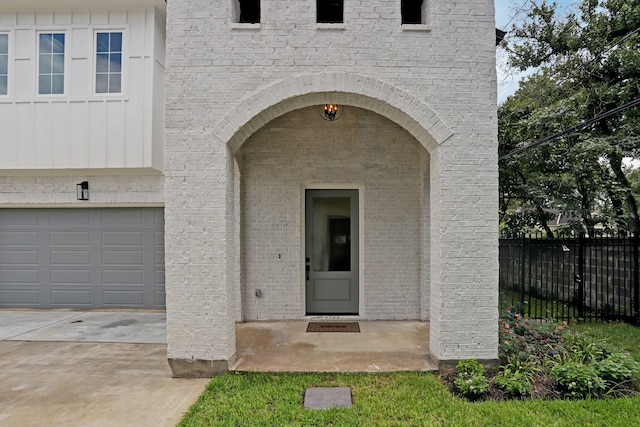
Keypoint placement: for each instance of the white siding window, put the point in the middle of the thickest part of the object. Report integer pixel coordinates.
(51, 63)
(4, 63)
(109, 62)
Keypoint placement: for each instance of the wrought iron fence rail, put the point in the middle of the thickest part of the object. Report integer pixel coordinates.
(589, 278)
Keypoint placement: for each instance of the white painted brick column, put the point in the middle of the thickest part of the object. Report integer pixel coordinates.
(199, 248)
(464, 295)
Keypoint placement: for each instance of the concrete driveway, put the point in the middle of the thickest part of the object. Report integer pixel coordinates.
(69, 368)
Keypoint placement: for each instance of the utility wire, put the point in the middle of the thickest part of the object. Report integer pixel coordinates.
(573, 129)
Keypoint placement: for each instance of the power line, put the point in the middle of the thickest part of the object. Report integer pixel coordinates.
(573, 129)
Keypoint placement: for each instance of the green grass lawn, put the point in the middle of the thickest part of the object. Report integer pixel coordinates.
(402, 399)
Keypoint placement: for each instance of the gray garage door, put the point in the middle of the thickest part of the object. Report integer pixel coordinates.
(82, 258)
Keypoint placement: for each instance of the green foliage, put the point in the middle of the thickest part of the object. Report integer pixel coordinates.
(585, 62)
(578, 380)
(514, 384)
(524, 339)
(470, 367)
(471, 381)
(617, 367)
(584, 349)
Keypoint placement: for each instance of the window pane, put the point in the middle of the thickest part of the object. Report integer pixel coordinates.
(102, 62)
(58, 43)
(44, 85)
(102, 83)
(4, 64)
(58, 64)
(108, 62)
(3, 85)
(103, 42)
(116, 60)
(114, 83)
(4, 44)
(45, 64)
(57, 84)
(116, 42)
(45, 43)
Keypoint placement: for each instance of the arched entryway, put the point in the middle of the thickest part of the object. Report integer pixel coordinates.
(310, 188)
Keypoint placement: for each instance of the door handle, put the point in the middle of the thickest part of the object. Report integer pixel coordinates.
(307, 267)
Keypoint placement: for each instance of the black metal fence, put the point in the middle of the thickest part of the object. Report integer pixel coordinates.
(567, 278)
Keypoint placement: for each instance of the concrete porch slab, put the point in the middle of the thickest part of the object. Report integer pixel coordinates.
(381, 346)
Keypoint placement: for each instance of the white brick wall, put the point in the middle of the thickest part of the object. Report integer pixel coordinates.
(226, 82)
(60, 191)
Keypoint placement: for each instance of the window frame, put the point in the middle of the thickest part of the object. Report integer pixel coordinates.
(65, 62)
(123, 69)
(9, 63)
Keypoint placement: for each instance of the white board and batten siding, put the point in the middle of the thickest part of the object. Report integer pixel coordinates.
(81, 129)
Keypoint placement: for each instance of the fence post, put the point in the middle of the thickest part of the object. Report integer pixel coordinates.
(636, 276)
(522, 264)
(579, 278)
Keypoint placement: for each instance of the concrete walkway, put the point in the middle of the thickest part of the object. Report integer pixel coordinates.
(66, 368)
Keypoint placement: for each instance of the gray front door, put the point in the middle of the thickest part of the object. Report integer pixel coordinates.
(332, 252)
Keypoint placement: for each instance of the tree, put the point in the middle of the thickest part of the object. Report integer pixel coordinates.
(586, 62)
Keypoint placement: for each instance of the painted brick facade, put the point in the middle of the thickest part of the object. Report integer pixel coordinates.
(228, 84)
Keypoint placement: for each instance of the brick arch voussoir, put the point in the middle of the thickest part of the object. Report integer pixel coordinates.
(302, 91)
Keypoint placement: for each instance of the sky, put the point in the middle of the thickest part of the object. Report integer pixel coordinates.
(506, 15)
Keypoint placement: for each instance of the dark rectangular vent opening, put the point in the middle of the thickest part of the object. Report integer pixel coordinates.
(249, 11)
(330, 11)
(412, 11)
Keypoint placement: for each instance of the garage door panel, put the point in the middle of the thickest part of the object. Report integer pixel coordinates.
(84, 258)
(123, 298)
(122, 238)
(122, 277)
(70, 257)
(19, 297)
(18, 238)
(71, 298)
(70, 217)
(122, 217)
(159, 276)
(18, 257)
(71, 277)
(8, 277)
(8, 219)
(161, 298)
(122, 258)
(70, 238)
(159, 257)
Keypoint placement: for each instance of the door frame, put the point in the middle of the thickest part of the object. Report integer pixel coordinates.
(303, 289)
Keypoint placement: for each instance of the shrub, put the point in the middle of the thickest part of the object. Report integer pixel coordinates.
(586, 350)
(577, 380)
(470, 366)
(514, 384)
(523, 338)
(470, 380)
(617, 367)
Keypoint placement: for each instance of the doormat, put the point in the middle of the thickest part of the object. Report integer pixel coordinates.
(333, 327)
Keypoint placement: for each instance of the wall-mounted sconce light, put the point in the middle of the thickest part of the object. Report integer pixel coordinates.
(330, 112)
(82, 190)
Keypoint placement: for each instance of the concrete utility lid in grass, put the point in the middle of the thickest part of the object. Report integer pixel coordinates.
(327, 397)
